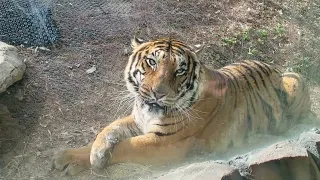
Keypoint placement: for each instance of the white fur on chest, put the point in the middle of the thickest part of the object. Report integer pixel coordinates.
(146, 119)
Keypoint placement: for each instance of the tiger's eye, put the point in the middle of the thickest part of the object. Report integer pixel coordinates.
(151, 62)
(180, 71)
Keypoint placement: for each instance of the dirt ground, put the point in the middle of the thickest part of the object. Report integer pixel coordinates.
(58, 105)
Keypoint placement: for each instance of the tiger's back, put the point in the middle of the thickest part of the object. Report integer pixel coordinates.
(259, 99)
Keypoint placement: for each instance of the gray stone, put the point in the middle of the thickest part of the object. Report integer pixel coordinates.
(11, 66)
(311, 141)
(280, 161)
(283, 160)
(205, 170)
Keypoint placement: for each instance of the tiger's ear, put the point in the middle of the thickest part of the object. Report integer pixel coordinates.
(135, 42)
(199, 50)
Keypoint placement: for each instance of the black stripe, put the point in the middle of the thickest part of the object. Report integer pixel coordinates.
(193, 97)
(189, 83)
(183, 64)
(135, 72)
(162, 42)
(189, 62)
(234, 89)
(129, 75)
(183, 81)
(245, 78)
(169, 124)
(234, 77)
(174, 59)
(252, 103)
(231, 144)
(178, 50)
(182, 94)
(166, 134)
(261, 68)
(251, 74)
(144, 92)
(249, 85)
(181, 49)
(142, 48)
(261, 77)
(132, 130)
(249, 119)
(269, 113)
(267, 66)
(192, 80)
(178, 44)
(161, 47)
(283, 96)
(139, 57)
(144, 66)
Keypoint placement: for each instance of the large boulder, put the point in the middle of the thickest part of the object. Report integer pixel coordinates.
(12, 66)
(291, 159)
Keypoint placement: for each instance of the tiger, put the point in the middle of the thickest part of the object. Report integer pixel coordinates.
(179, 102)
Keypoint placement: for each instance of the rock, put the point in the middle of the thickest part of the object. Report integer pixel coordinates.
(240, 163)
(11, 66)
(284, 160)
(311, 141)
(280, 161)
(205, 170)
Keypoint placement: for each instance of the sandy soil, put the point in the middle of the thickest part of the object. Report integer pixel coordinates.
(58, 105)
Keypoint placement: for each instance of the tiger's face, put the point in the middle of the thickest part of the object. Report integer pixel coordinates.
(163, 74)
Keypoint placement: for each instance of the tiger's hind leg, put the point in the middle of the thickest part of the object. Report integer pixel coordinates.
(295, 96)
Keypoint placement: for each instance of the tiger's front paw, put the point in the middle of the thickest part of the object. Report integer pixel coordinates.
(101, 151)
(71, 161)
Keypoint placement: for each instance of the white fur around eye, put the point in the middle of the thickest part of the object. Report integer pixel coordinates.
(139, 77)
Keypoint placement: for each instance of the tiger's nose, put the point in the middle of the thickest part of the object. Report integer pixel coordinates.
(159, 92)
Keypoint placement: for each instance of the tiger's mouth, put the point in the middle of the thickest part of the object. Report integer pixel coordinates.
(155, 105)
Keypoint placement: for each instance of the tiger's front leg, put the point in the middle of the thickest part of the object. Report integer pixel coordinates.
(151, 149)
(72, 161)
(114, 146)
(106, 140)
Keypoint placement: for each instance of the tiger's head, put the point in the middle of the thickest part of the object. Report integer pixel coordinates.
(163, 74)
